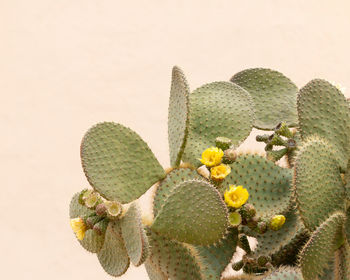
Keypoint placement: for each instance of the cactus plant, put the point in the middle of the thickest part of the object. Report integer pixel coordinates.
(214, 198)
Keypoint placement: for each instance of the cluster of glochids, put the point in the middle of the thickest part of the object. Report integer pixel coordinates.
(102, 212)
(215, 168)
(282, 136)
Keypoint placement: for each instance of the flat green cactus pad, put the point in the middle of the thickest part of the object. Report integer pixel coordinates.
(318, 251)
(323, 110)
(217, 109)
(154, 272)
(274, 96)
(193, 213)
(178, 115)
(166, 186)
(136, 241)
(92, 241)
(215, 258)
(113, 256)
(118, 163)
(269, 185)
(272, 242)
(285, 273)
(318, 185)
(175, 259)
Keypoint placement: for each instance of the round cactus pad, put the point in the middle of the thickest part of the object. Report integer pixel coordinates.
(118, 163)
(274, 96)
(191, 206)
(323, 111)
(217, 109)
(317, 182)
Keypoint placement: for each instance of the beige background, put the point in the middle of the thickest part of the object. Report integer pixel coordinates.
(67, 64)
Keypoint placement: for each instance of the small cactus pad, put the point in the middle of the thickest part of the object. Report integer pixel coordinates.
(169, 183)
(323, 110)
(274, 96)
(318, 185)
(175, 259)
(285, 273)
(318, 251)
(193, 213)
(273, 241)
(215, 258)
(269, 185)
(113, 256)
(118, 163)
(177, 115)
(136, 241)
(92, 241)
(217, 109)
(154, 272)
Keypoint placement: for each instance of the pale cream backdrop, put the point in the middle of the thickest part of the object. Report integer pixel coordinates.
(68, 64)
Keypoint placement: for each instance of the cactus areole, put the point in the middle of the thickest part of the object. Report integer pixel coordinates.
(215, 198)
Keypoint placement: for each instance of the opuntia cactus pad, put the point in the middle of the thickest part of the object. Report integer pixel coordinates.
(214, 199)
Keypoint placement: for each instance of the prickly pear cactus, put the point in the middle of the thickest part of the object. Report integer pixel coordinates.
(215, 201)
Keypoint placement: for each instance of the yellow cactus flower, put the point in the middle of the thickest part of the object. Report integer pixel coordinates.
(212, 156)
(277, 222)
(236, 196)
(219, 172)
(79, 227)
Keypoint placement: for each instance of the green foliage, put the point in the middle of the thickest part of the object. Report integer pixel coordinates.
(192, 205)
(318, 185)
(274, 96)
(273, 242)
(118, 163)
(192, 234)
(317, 253)
(136, 241)
(323, 110)
(215, 258)
(113, 256)
(178, 115)
(169, 183)
(217, 109)
(269, 185)
(174, 259)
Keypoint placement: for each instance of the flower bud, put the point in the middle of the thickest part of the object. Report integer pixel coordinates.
(223, 143)
(277, 222)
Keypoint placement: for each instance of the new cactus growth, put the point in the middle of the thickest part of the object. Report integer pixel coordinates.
(213, 198)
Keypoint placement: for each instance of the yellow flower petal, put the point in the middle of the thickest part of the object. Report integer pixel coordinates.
(219, 172)
(212, 156)
(236, 196)
(79, 228)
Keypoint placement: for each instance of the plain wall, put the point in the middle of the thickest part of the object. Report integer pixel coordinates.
(68, 64)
